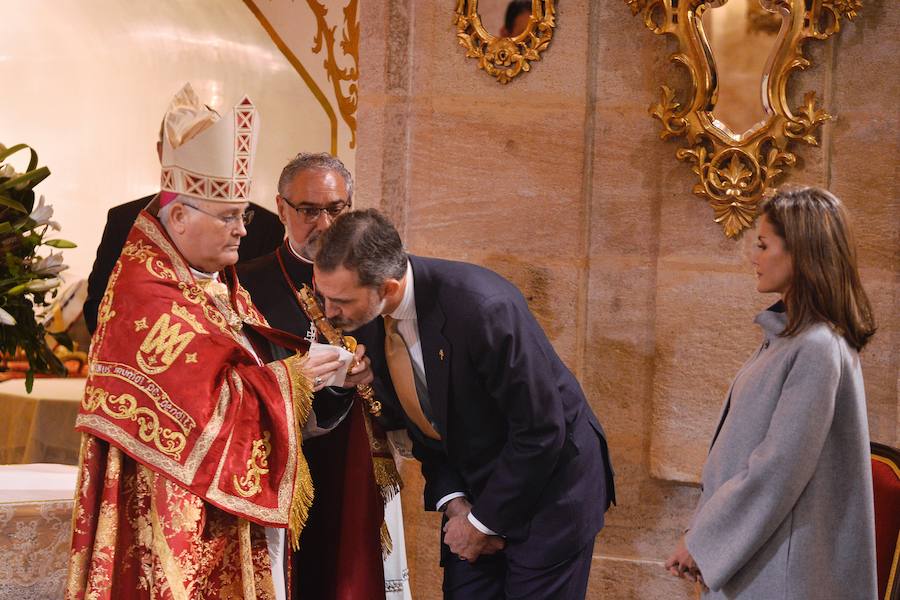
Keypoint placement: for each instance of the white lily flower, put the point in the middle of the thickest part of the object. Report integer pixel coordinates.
(6, 318)
(52, 265)
(42, 213)
(43, 285)
(7, 170)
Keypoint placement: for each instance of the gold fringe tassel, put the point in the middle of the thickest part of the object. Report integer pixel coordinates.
(386, 477)
(387, 546)
(302, 395)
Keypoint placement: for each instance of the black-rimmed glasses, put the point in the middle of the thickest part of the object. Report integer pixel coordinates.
(310, 214)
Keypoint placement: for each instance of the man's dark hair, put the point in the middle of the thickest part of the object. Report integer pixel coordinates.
(364, 241)
(321, 161)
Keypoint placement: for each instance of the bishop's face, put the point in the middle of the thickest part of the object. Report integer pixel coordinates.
(348, 305)
(309, 205)
(212, 233)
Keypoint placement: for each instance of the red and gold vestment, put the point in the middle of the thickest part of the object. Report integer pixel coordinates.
(191, 445)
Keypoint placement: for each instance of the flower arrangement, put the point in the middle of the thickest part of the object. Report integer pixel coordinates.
(28, 280)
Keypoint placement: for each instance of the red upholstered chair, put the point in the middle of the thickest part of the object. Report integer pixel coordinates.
(886, 481)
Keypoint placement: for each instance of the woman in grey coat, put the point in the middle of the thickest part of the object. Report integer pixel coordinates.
(786, 509)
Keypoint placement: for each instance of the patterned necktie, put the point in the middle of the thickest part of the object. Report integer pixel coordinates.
(400, 367)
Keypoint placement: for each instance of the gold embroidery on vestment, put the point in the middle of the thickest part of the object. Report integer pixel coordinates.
(248, 580)
(182, 473)
(172, 572)
(125, 406)
(140, 252)
(181, 311)
(164, 342)
(295, 462)
(105, 313)
(146, 384)
(257, 466)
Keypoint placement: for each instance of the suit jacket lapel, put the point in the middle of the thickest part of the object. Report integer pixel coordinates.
(436, 351)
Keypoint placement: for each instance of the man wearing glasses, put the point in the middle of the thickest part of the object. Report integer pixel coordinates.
(263, 236)
(193, 478)
(313, 190)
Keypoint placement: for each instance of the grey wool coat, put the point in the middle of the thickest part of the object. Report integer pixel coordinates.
(786, 509)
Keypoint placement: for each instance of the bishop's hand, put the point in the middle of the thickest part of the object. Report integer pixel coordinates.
(319, 368)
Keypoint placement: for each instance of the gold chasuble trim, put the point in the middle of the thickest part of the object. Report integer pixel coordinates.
(186, 396)
(302, 394)
(257, 466)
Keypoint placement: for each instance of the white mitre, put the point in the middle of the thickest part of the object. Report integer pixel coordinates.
(207, 156)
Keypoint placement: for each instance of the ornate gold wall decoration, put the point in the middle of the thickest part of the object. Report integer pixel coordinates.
(734, 170)
(505, 57)
(759, 20)
(291, 57)
(347, 102)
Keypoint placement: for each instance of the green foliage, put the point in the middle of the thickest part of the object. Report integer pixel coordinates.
(28, 281)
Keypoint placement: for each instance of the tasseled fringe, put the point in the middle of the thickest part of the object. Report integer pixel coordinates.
(389, 484)
(302, 395)
(301, 390)
(386, 477)
(301, 502)
(387, 546)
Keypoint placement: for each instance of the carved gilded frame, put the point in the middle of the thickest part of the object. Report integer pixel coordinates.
(735, 170)
(505, 57)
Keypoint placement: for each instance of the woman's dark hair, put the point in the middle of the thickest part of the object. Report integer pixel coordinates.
(825, 285)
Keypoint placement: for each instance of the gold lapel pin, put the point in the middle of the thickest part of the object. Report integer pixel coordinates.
(441, 353)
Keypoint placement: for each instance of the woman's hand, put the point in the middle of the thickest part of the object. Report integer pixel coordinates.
(318, 369)
(682, 564)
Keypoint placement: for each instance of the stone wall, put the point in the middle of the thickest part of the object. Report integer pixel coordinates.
(558, 181)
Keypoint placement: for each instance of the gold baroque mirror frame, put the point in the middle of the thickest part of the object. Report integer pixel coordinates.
(736, 169)
(505, 57)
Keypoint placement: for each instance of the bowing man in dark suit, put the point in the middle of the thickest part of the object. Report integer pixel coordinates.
(510, 449)
(264, 234)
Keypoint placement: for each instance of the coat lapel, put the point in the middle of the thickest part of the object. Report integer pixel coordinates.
(436, 350)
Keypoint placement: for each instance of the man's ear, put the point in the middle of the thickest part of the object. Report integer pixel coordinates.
(281, 208)
(178, 217)
(390, 288)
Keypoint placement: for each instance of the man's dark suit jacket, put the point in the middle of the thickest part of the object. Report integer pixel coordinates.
(517, 433)
(264, 234)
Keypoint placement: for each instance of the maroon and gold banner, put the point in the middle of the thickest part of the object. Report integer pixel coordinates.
(186, 415)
